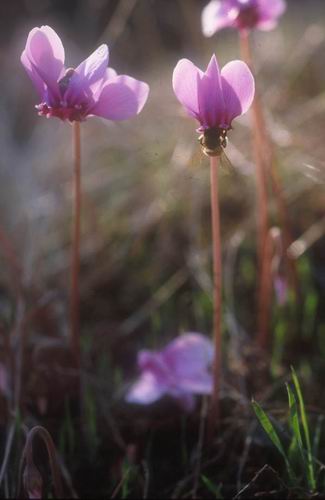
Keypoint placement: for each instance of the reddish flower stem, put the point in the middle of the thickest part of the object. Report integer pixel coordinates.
(75, 263)
(265, 170)
(217, 289)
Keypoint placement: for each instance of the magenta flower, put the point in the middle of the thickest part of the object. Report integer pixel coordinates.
(75, 93)
(215, 97)
(241, 14)
(180, 370)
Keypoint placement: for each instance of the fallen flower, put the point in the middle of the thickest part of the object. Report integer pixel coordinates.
(75, 93)
(241, 14)
(180, 370)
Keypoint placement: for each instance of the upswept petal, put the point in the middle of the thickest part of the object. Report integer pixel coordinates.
(93, 68)
(271, 10)
(267, 25)
(146, 390)
(188, 356)
(238, 89)
(89, 75)
(216, 16)
(211, 101)
(121, 98)
(33, 75)
(45, 52)
(110, 73)
(96, 87)
(186, 78)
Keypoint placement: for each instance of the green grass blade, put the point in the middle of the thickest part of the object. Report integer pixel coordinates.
(215, 490)
(272, 434)
(304, 422)
(295, 426)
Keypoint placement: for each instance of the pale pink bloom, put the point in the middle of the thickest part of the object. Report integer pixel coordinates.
(241, 14)
(75, 93)
(280, 285)
(214, 97)
(180, 370)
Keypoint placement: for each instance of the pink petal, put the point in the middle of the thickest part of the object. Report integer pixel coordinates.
(33, 75)
(146, 390)
(188, 356)
(216, 16)
(155, 363)
(88, 76)
(211, 102)
(266, 25)
(121, 98)
(110, 73)
(45, 52)
(270, 11)
(96, 87)
(281, 289)
(238, 89)
(93, 68)
(199, 384)
(186, 78)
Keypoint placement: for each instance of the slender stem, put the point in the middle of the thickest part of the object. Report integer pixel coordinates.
(265, 170)
(75, 264)
(262, 156)
(217, 279)
(261, 180)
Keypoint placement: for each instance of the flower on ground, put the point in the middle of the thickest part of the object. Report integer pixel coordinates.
(180, 370)
(214, 97)
(75, 93)
(241, 14)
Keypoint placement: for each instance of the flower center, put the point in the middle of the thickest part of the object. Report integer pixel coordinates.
(76, 113)
(248, 15)
(213, 140)
(65, 80)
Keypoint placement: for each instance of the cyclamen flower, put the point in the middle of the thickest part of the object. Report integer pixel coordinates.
(180, 370)
(214, 97)
(75, 93)
(241, 14)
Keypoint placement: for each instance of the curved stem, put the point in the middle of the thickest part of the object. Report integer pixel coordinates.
(75, 264)
(27, 458)
(217, 280)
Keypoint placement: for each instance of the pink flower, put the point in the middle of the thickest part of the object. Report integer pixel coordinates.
(241, 14)
(75, 93)
(281, 289)
(180, 370)
(215, 97)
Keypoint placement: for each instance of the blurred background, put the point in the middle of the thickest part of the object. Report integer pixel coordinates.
(146, 252)
(146, 234)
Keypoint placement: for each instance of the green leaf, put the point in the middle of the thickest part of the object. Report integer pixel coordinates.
(272, 434)
(304, 422)
(295, 425)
